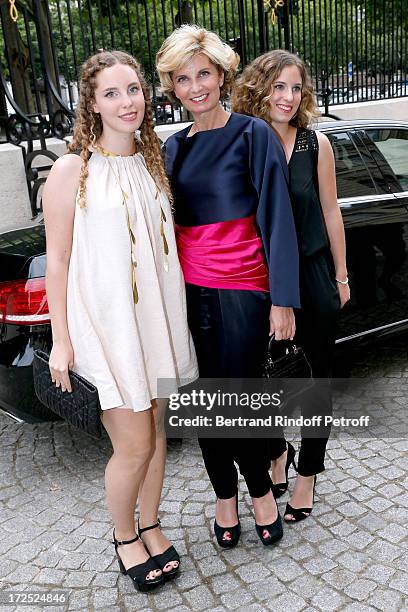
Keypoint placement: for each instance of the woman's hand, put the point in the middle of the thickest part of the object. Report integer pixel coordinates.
(61, 359)
(282, 322)
(344, 293)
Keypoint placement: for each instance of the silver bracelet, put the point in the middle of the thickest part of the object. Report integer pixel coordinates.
(345, 282)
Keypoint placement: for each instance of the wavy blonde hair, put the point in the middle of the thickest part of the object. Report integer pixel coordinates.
(253, 89)
(186, 42)
(88, 122)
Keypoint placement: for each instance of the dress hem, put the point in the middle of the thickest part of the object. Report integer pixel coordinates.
(188, 378)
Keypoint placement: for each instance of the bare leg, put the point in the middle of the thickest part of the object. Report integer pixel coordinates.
(278, 468)
(131, 436)
(150, 493)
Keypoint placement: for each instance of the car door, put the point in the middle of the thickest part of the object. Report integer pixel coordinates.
(376, 237)
(389, 148)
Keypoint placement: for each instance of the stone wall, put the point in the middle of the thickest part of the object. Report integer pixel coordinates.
(382, 109)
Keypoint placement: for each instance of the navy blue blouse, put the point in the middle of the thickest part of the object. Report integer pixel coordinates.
(234, 172)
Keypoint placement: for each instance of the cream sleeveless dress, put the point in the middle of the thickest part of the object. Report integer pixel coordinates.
(125, 348)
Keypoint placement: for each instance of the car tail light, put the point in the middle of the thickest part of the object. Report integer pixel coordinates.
(24, 302)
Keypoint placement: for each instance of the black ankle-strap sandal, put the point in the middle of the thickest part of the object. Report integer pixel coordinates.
(162, 559)
(138, 573)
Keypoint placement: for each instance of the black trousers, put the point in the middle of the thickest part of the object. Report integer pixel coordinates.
(316, 327)
(230, 332)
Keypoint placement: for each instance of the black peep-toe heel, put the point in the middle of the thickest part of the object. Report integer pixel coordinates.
(275, 530)
(235, 532)
(299, 514)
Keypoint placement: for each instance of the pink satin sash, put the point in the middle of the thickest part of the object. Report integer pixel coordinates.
(225, 255)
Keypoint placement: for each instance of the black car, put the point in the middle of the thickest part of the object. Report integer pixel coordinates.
(372, 182)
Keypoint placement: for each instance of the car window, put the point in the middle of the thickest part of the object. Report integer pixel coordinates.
(353, 178)
(393, 145)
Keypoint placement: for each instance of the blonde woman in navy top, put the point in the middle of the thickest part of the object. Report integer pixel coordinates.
(237, 246)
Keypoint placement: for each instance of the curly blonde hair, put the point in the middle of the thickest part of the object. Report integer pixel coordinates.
(186, 42)
(89, 123)
(253, 89)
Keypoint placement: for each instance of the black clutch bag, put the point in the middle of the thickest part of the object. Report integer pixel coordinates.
(285, 360)
(80, 408)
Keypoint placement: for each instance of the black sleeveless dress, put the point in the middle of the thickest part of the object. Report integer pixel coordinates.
(317, 320)
(318, 287)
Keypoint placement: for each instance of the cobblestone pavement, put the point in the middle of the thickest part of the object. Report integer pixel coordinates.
(349, 555)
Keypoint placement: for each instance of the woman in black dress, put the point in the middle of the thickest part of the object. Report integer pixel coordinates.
(233, 218)
(277, 88)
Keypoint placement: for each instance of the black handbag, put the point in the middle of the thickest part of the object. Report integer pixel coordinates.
(285, 360)
(80, 408)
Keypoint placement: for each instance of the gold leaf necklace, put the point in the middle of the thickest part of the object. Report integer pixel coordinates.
(132, 237)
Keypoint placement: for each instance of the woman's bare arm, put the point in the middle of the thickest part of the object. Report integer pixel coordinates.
(331, 211)
(59, 198)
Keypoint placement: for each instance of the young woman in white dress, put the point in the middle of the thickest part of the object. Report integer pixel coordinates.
(116, 296)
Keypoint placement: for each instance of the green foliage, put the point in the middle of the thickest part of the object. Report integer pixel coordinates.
(387, 27)
(328, 34)
(385, 12)
(331, 33)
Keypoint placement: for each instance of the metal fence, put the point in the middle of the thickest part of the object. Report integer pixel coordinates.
(356, 49)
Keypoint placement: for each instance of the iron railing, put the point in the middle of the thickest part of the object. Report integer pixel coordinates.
(356, 49)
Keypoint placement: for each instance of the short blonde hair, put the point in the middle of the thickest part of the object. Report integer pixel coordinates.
(253, 89)
(186, 42)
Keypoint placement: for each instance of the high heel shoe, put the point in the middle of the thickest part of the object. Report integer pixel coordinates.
(235, 532)
(275, 530)
(299, 514)
(280, 488)
(162, 559)
(138, 573)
